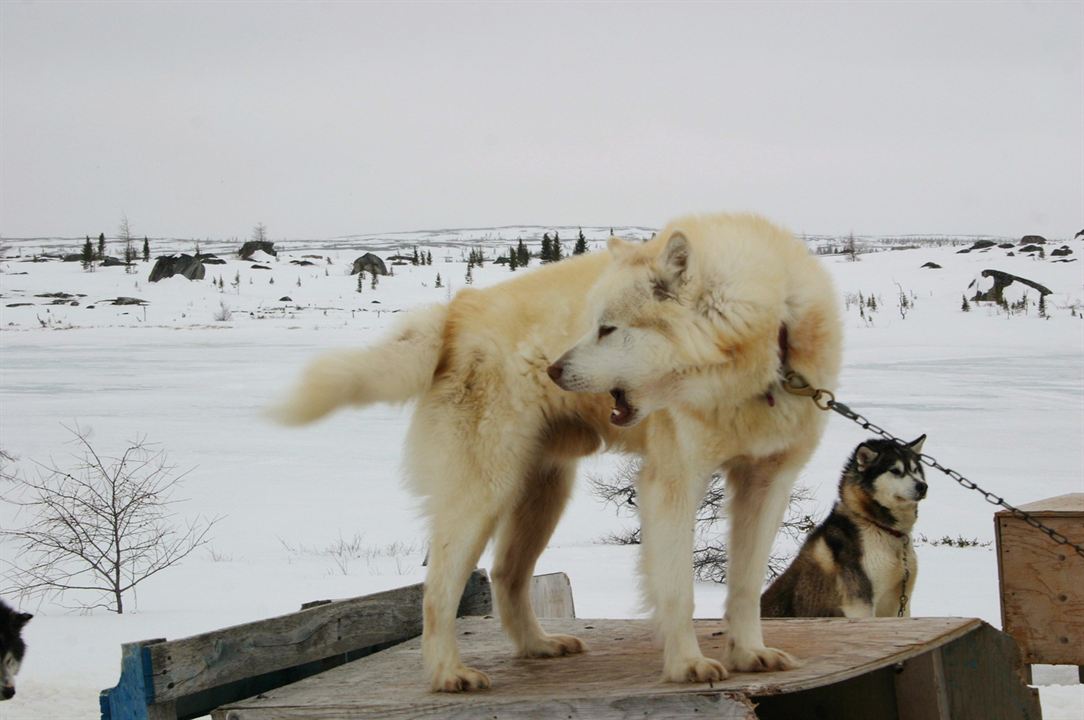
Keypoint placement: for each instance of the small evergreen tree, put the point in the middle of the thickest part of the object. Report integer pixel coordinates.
(523, 256)
(414, 260)
(965, 305)
(581, 245)
(428, 257)
(556, 252)
(438, 283)
(1042, 306)
(271, 281)
(129, 256)
(146, 249)
(546, 255)
(87, 257)
(513, 262)
(470, 274)
(101, 246)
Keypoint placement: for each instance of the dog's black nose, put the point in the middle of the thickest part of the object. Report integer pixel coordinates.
(920, 488)
(8, 693)
(555, 370)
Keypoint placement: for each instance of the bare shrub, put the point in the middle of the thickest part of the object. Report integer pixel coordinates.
(709, 551)
(101, 526)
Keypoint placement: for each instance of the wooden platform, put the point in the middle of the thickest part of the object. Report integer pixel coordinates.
(884, 669)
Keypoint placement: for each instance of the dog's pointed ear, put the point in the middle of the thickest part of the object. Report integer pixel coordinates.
(865, 456)
(916, 445)
(674, 262)
(619, 248)
(22, 619)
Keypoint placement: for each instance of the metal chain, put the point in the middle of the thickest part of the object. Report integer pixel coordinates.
(906, 577)
(825, 400)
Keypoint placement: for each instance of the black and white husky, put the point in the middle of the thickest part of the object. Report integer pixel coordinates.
(859, 562)
(12, 647)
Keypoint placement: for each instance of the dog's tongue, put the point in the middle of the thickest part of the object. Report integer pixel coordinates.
(622, 412)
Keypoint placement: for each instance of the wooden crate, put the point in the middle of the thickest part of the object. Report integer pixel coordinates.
(875, 668)
(1042, 582)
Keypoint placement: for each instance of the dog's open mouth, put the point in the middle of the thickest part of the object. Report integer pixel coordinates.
(623, 413)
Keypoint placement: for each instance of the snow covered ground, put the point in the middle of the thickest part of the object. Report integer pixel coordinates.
(1001, 398)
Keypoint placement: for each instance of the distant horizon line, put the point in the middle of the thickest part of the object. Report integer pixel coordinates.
(390, 235)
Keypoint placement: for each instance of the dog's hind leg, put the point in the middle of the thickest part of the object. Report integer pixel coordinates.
(461, 527)
(668, 495)
(759, 492)
(521, 538)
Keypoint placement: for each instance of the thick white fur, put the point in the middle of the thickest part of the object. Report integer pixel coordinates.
(696, 314)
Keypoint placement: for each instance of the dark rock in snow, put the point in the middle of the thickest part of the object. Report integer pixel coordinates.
(127, 301)
(1062, 251)
(209, 259)
(166, 266)
(301, 262)
(1003, 280)
(260, 267)
(1030, 249)
(252, 246)
(932, 265)
(369, 263)
(59, 295)
(1006, 246)
(110, 261)
(1033, 240)
(286, 298)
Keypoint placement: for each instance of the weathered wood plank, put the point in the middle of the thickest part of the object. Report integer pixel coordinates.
(983, 678)
(1042, 583)
(190, 665)
(864, 697)
(623, 662)
(716, 705)
(920, 689)
(551, 596)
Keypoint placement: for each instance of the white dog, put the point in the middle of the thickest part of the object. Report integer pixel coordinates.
(673, 349)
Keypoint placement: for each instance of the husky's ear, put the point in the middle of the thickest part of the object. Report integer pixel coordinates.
(22, 619)
(675, 259)
(916, 445)
(619, 248)
(865, 456)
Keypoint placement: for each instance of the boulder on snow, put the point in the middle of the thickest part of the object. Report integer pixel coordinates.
(209, 259)
(1062, 251)
(1030, 249)
(977, 245)
(369, 263)
(1033, 240)
(122, 300)
(180, 264)
(110, 261)
(1003, 280)
(252, 246)
(932, 265)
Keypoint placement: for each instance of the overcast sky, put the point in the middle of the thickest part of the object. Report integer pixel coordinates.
(202, 119)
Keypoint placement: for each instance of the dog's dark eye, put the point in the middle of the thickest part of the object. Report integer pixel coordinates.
(604, 330)
(897, 472)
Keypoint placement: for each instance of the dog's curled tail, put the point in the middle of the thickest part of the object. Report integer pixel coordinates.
(398, 368)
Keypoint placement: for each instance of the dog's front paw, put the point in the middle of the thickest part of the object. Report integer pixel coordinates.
(552, 646)
(698, 669)
(458, 679)
(760, 659)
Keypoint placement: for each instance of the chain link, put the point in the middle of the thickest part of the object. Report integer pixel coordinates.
(797, 385)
